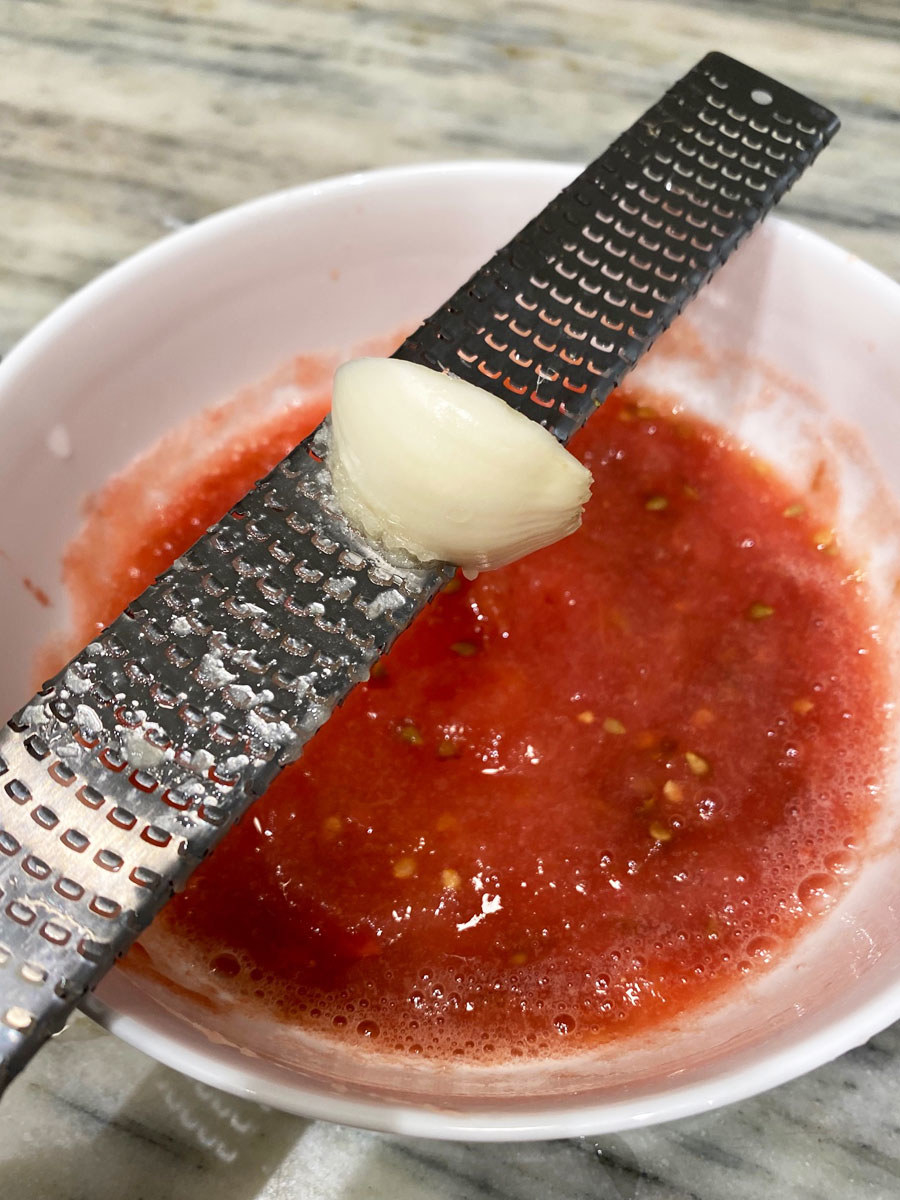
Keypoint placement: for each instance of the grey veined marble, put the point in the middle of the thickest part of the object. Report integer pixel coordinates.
(92, 1119)
(123, 119)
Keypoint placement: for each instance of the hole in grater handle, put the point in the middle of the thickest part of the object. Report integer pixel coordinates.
(131, 764)
(555, 320)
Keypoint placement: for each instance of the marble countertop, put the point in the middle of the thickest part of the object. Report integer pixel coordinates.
(123, 119)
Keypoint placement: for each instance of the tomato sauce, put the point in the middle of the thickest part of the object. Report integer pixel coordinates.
(581, 795)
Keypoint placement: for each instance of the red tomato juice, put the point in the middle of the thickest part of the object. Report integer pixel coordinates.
(581, 795)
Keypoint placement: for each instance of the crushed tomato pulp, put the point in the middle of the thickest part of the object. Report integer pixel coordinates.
(581, 795)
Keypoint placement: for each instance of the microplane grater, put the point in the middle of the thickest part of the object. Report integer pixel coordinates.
(128, 767)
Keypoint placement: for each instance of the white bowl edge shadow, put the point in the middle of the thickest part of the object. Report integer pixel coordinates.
(474, 206)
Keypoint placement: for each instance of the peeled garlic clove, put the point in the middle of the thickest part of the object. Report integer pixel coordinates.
(436, 468)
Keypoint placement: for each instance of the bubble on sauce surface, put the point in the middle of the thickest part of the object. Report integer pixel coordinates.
(763, 949)
(225, 964)
(843, 863)
(818, 893)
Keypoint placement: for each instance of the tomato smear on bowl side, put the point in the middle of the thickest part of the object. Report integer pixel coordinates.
(581, 795)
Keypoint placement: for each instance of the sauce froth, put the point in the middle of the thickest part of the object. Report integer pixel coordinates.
(581, 795)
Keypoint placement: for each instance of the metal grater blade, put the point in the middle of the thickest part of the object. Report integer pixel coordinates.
(129, 766)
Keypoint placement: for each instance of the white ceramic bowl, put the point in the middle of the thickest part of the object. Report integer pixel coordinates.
(187, 321)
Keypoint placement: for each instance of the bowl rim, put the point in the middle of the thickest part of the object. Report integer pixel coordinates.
(562, 1119)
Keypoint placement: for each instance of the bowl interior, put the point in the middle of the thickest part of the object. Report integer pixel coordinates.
(792, 343)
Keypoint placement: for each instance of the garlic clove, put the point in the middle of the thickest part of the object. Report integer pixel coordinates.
(436, 468)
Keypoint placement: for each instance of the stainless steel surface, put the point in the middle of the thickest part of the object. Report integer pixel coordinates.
(126, 770)
(129, 766)
(557, 317)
